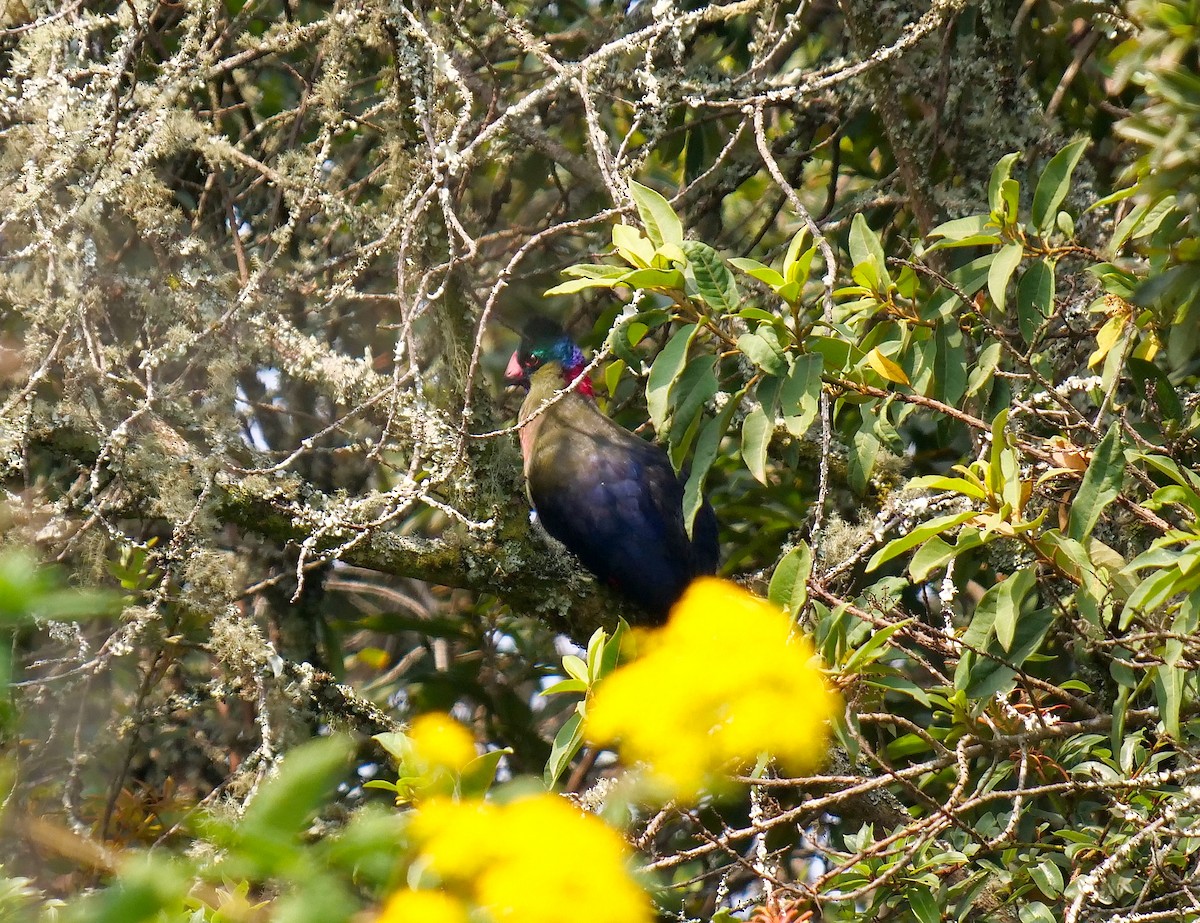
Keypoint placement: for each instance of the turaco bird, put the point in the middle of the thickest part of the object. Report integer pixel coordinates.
(613, 499)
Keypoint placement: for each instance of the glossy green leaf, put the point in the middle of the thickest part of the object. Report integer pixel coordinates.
(1000, 173)
(573, 286)
(864, 450)
(924, 907)
(307, 777)
(796, 254)
(477, 776)
(694, 388)
(1035, 297)
(1036, 912)
(763, 349)
(866, 250)
(1006, 598)
(668, 366)
(1054, 184)
(1101, 484)
(1169, 683)
(789, 583)
(661, 223)
(714, 282)
(757, 270)
(800, 395)
(985, 367)
(708, 443)
(1002, 268)
(949, 363)
(665, 279)
(575, 667)
(633, 246)
(918, 536)
(757, 430)
(567, 742)
(981, 677)
(874, 648)
(962, 228)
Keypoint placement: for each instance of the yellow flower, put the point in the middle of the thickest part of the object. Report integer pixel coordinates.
(719, 684)
(439, 740)
(423, 907)
(534, 860)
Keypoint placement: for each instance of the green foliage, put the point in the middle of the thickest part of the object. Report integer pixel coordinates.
(907, 304)
(603, 655)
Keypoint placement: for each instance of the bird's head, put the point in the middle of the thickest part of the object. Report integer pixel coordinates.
(544, 342)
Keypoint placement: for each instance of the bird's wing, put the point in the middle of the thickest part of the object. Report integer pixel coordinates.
(614, 500)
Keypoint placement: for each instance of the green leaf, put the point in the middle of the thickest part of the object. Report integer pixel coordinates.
(763, 349)
(757, 430)
(668, 366)
(307, 777)
(708, 443)
(979, 240)
(962, 228)
(1036, 912)
(760, 272)
(985, 368)
(661, 222)
(668, 279)
(789, 583)
(714, 282)
(693, 389)
(575, 668)
(900, 685)
(944, 482)
(800, 396)
(571, 286)
(949, 363)
(1169, 683)
(795, 264)
(1152, 592)
(1054, 184)
(981, 677)
(612, 651)
(1000, 173)
(1048, 876)
(866, 250)
(1144, 219)
(477, 776)
(863, 453)
(796, 272)
(874, 647)
(1001, 270)
(150, 887)
(594, 271)
(1101, 484)
(918, 536)
(924, 907)
(595, 647)
(567, 742)
(612, 375)
(566, 687)
(633, 246)
(1006, 598)
(1010, 194)
(1035, 297)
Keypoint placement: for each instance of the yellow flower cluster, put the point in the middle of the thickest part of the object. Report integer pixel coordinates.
(719, 684)
(534, 860)
(438, 741)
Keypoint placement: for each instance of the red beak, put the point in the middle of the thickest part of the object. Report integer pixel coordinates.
(515, 374)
